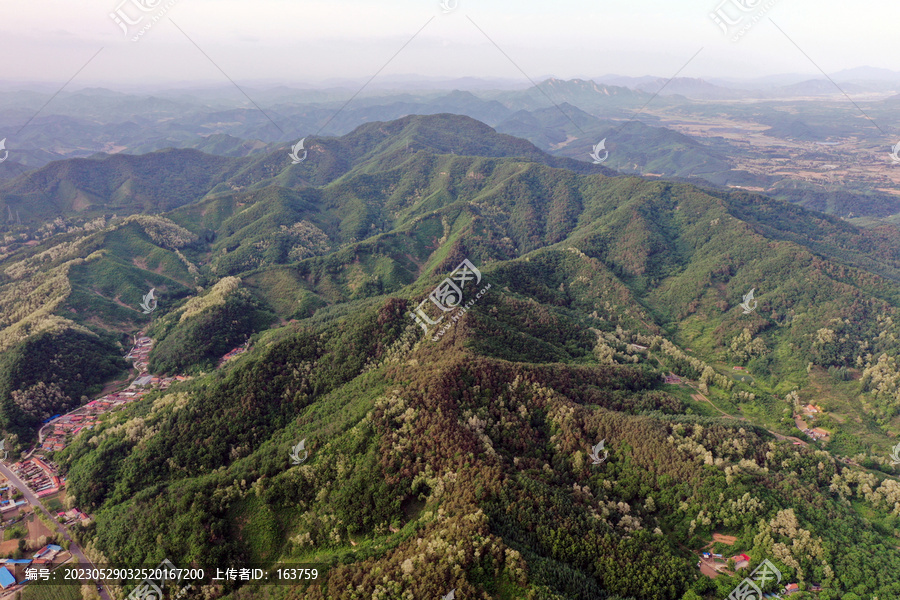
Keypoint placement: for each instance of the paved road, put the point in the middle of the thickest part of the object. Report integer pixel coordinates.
(74, 549)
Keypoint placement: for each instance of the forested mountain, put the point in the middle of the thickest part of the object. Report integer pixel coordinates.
(460, 457)
(166, 179)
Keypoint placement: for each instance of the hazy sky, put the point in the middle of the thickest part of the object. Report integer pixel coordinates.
(294, 41)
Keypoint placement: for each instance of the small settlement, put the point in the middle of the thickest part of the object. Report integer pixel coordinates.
(59, 431)
(41, 475)
(811, 412)
(712, 565)
(235, 353)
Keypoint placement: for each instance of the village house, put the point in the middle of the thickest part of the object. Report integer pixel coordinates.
(47, 553)
(741, 561)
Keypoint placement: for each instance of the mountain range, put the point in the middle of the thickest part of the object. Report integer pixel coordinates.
(454, 452)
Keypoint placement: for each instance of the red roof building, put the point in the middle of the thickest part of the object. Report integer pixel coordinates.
(741, 561)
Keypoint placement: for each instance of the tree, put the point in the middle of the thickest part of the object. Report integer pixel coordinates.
(40, 400)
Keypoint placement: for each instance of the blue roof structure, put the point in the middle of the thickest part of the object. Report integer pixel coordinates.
(46, 549)
(6, 578)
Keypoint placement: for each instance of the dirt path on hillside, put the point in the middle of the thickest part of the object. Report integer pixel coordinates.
(700, 397)
(725, 539)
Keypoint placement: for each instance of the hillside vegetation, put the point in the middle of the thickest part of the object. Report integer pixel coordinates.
(465, 462)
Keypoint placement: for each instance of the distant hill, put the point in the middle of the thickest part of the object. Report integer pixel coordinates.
(587, 95)
(867, 74)
(220, 144)
(690, 88)
(118, 183)
(816, 87)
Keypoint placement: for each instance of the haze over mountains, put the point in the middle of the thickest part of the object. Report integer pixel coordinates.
(106, 115)
(799, 140)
